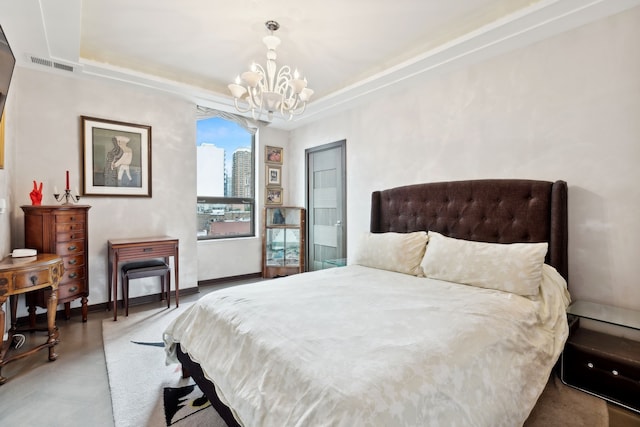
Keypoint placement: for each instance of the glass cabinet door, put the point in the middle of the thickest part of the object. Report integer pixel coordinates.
(284, 244)
(275, 246)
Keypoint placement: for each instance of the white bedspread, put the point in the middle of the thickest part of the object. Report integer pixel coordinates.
(357, 346)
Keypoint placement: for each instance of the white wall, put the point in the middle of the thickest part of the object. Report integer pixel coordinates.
(565, 108)
(43, 140)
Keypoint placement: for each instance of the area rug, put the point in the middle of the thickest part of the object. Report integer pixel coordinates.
(144, 390)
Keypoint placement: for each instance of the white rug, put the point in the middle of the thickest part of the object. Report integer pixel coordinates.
(138, 374)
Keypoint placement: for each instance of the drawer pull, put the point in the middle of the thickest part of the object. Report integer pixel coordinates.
(147, 250)
(73, 275)
(72, 218)
(590, 365)
(34, 280)
(72, 247)
(75, 288)
(614, 372)
(73, 262)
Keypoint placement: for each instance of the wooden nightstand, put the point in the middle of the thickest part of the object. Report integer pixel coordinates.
(603, 364)
(23, 276)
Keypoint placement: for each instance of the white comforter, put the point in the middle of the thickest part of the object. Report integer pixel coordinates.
(357, 346)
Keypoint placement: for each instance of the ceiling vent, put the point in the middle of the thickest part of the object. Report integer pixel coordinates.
(51, 64)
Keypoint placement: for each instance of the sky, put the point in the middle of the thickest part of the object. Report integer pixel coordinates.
(223, 134)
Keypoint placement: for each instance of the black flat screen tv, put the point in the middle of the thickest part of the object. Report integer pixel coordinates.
(7, 63)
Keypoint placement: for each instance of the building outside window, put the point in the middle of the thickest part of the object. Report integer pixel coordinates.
(225, 179)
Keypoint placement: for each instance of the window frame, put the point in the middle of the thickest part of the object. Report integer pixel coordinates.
(227, 200)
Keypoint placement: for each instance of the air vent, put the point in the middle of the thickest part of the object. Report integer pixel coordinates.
(51, 64)
(63, 67)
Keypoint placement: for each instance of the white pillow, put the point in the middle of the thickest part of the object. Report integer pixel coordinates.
(400, 252)
(515, 267)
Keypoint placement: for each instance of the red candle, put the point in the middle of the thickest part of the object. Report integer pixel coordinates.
(67, 180)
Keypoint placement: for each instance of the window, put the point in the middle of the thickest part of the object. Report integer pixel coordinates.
(226, 179)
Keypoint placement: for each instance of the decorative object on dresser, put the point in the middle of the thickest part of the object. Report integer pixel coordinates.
(24, 276)
(61, 230)
(606, 365)
(67, 197)
(283, 241)
(36, 194)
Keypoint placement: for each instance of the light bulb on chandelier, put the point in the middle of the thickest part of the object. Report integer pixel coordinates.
(268, 89)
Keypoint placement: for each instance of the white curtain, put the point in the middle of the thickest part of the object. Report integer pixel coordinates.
(247, 124)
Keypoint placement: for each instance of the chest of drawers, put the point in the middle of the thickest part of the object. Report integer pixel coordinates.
(62, 230)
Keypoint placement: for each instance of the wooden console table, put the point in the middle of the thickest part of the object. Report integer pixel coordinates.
(121, 250)
(22, 275)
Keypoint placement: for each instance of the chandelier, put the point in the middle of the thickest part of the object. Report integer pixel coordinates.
(269, 89)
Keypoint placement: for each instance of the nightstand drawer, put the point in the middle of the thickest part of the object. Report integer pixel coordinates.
(30, 279)
(603, 364)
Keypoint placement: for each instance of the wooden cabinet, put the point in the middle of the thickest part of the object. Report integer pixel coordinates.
(283, 241)
(600, 363)
(62, 230)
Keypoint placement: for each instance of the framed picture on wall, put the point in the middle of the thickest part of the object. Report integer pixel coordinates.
(273, 176)
(117, 158)
(273, 155)
(273, 196)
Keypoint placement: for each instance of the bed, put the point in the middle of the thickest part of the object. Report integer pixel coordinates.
(451, 312)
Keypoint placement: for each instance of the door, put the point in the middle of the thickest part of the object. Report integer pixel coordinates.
(326, 206)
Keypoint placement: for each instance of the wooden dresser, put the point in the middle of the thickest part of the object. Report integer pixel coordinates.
(62, 230)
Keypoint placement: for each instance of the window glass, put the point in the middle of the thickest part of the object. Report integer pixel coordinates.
(225, 184)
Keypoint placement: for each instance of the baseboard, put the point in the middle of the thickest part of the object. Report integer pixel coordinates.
(144, 299)
(230, 279)
(103, 306)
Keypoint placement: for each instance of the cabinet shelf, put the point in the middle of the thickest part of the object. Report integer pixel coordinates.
(283, 241)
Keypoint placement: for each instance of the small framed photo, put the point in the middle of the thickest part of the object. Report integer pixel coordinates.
(273, 155)
(273, 196)
(273, 176)
(117, 158)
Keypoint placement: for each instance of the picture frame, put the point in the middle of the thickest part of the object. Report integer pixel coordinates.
(273, 155)
(273, 196)
(274, 174)
(117, 158)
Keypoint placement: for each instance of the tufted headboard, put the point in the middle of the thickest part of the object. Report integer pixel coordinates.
(490, 210)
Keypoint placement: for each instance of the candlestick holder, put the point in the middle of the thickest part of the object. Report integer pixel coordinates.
(68, 198)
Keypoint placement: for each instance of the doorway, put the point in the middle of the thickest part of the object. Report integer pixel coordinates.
(326, 206)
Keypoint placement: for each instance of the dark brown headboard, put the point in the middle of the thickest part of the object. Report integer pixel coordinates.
(489, 210)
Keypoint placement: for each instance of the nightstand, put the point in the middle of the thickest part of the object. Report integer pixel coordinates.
(603, 364)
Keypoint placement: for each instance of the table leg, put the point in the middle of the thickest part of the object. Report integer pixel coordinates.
(177, 273)
(3, 299)
(52, 304)
(85, 308)
(114, 284)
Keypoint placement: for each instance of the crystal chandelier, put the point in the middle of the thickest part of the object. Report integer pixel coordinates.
(269, 89)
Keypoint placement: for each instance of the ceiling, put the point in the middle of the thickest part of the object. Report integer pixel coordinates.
(347, 50)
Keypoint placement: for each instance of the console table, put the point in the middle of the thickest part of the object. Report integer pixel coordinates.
(121, 250)
(22, 275)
